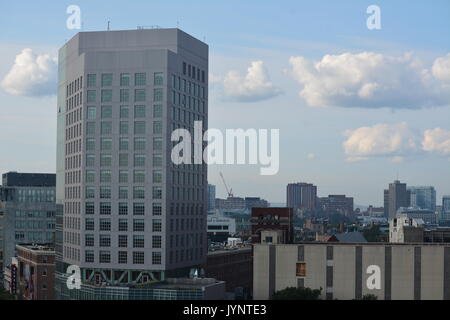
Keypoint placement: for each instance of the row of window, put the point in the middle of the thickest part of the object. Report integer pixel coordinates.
(138, 225)
(138, 192)
(139, 144)
(140, 95)
(106, 127)
(138, 208)
(138, 159)
(138, 176)
(138, 257)
(193, 72)
(104, 240)
(34, 224)
(139, 111)
(140, 79)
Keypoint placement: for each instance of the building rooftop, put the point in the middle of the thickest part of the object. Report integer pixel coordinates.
(16, 179)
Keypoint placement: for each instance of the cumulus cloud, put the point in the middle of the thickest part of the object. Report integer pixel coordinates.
(31, 75)
(437, 140)
(394, 140)
(372, 80)
(254, 86)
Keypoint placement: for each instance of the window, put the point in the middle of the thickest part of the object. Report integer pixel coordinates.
(105, 192)
(91, 80)
(123, 257)
(123, 226)
(157, 225)
(123, 241)
(89, 256)
(106, 112)
(157, 127)
(158, 78)
(107, 79)
(123, 208)
(105, 176)
(139, 111)
(91, 112)
(89, 208)
(138, 241)
(124, 111)
(124, 95)
(156, 257)
(139, 143)
(89, 224)
(90, 176)
(138, 225)
(105, 160)
(157, 143)
(157, 193)
(89, 240)
(90, 192)
(301, 270)
(123, 159)
(106, 95)
(138, 192)
(138, 209)
(91, 96)
(138, 257)
(156, 242)
(157, 111)
(104, 257)
(140, 79)
(105, 240)
(184, 68)
(90, 144)
(158, 94)
(105, 224)
(90, 128)
(123, 192)
(157, 160)
(106, 127)
(105, 208)
(156, 209)
(124, 79)
(106, 144)
(139, 160)
(139, 95)
(123, 127)
(139, 127)
(139, 176)
(123, 176)
(157, 176)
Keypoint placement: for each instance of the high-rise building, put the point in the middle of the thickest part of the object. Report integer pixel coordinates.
(395, 196)
(301, 196)
(445, 211)
(336, 204)
(27, 212)
(126, 212)
(423, 197)
(211, 197)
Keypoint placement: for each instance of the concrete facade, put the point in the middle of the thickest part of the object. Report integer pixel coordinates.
(407, 271)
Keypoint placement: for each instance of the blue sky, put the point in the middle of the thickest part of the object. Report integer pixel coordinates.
(312, 133)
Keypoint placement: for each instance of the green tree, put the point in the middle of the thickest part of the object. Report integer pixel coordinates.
(5, 295)
(369, 297)
(292, 293)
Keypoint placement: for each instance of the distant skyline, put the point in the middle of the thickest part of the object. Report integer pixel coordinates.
(356, 108)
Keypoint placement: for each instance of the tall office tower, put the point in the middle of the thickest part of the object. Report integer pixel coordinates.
(397, 197)
(129, 214)
(423, 197)
(27, 212)
(445, 211)
(301, 195)
(211, 197)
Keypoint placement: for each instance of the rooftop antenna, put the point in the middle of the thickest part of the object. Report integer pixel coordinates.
(109, 22)
(178, 24)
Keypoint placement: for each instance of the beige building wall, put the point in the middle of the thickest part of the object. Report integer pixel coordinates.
(344, 272)
(432, 271)
(373, 255)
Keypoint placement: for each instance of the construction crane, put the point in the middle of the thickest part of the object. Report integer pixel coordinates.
(229, 191)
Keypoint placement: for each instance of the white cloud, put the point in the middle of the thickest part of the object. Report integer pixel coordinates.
(311, 156)
(393, 140)
(437, 140)
(31, 75)
(254, 86)
(372, 80)
(441, 68)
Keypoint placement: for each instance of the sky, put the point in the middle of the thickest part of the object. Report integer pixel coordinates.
(356, 108)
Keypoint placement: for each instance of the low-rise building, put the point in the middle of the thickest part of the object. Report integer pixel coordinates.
(272, 219)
